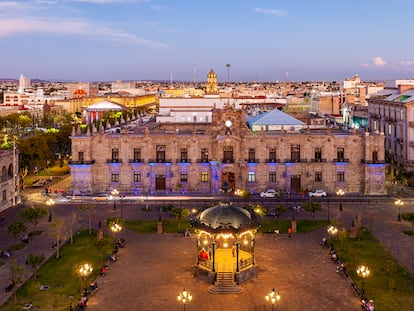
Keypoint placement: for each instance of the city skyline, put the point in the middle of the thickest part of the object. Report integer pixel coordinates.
(242, 41)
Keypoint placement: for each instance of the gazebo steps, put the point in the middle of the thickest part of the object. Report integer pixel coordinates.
(225, 284)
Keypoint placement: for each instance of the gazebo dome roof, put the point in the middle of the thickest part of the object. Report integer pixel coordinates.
(225, 217)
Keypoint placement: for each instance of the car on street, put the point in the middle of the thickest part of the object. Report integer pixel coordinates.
(317, 193)
(270, 193)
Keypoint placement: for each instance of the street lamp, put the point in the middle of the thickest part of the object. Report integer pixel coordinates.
(50, 202)
(184, 297)
(115, 228)
(340, 193)
(399, 203)
(273, 297)
(332, 230)
(84, 271)
(363, 272)
(114, 194)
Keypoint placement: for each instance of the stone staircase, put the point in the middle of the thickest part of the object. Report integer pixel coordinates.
(225, 284)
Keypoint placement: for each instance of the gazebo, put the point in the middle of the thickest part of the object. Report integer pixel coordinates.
(94, 112)
(225, 241)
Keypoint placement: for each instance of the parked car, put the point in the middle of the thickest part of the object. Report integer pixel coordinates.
(270, 193)
(317, 193)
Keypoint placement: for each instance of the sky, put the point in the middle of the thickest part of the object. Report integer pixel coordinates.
(182, 40)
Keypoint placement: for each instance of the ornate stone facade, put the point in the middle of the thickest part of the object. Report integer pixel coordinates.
(186, 157)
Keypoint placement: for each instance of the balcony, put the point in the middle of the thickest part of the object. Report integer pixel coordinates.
(182, 161)
(203, 160)
(340, 160)
(113, 161)
(160, 161)
(318, 160)
(372, 161)
(272, 160)
(295, 160)
(136, 161)
(82, 162)
(227, 161)
(252, 160)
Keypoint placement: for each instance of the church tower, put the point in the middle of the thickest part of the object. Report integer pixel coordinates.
(211, 85)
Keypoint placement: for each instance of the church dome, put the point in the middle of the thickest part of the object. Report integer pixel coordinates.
(225, 217)
(80, 93)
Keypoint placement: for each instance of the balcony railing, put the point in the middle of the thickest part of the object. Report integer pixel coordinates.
(295, 160)
(318, 160)
(160, 161)
(182, 161)
(203, 160)
(252, 160)
(372, 161)
(114, 161)
(82, 162)
(136, 161)
(227, 160)
(340, 160)
(273, 160)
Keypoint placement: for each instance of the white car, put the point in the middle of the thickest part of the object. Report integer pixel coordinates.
(270, 193)
(317, 193)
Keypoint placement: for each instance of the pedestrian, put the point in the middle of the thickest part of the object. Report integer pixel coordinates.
(277, 233)
(289, 232)
(232, 251)
(71, 307)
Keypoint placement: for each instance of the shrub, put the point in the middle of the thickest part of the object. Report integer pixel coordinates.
(34, 260)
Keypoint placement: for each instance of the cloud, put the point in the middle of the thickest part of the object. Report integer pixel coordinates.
(379, 62)
(365, 65)
(407, 63)
(271, 11)
(78, 27)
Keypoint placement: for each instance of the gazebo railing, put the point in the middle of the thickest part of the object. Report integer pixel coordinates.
(208, 264)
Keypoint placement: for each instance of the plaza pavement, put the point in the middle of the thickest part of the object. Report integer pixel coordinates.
(153, 268)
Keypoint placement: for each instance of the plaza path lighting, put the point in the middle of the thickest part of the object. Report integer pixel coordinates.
(399, 203)
(50, 202)
(363, 272)
(84, 271)
(184, 297)
(273, 298)
(332, 230)
(340, 193)
(114, 194)
(115, 228)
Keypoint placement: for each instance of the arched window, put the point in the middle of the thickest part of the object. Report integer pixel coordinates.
(10, 171)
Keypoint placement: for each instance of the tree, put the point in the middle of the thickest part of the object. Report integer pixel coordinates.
(16, 228)
(101, 245)
(112, 223)
(259, 210)
(73, 219)
(33, 214)
(88, 210)
(180, 213)
(59, 233)
(312, 207)
(16, 276)
(280, 209)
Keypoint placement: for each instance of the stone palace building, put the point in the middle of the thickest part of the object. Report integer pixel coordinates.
(203, 157)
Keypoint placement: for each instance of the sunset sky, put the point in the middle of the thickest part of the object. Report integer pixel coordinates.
(263, 40)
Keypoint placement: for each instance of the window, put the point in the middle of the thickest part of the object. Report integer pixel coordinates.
(340, 176)
(137, 176)
(272, 177)
(389, 129)
(204, 176)
(340, 153)
(137, 154)
(252, 155)
(374, 156)
(204, 154)
(295, 153)
(228, 154)
(272, 155)
(251, 177)
(318, 176)
(4, 195)
(115, 177)
(183, 177)
(115, 155)
(318, 154)
(80, 156)
(160, 149)
(184, 156)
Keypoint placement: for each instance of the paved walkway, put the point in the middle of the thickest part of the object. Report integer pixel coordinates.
(298, 267)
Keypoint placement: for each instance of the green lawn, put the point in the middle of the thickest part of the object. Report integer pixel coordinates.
(302, 225)
(389, 285)
(60, 274)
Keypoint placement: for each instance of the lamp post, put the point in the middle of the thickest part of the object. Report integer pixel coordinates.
(273, 298)
(184, 297)
(115, 228)
(399, 203)
(332, 230)
(84, 271)
(363, 272)
(114, 194)
(340, 193)
(50, 202)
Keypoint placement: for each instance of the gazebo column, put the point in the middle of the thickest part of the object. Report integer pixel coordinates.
(197, 250)
(252, 244)
(213, 246)
(237, 255)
